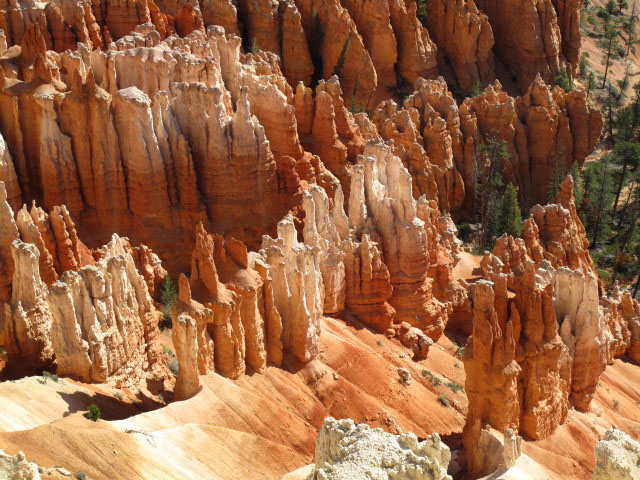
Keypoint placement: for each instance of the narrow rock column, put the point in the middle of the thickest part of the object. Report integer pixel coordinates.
(184, 339)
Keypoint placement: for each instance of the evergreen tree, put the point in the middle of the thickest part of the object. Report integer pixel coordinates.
(627, 154)
(598, 193)
(316, 37)
(167, 297)
(510, 216)
(558, 173)
(488, 184)
(563, 81)
(622, 4)
(343, 54)
(625, 238)
(421, 11)
(255, 48)
(477, 89)
(629, 27)
(608, 45)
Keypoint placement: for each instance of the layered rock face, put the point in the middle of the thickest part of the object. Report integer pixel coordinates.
(227, 315)
(345, 450)
(617, 457)
(89, 312)
(94, 23)
(471, 53)
(533, 38)
(541, 335)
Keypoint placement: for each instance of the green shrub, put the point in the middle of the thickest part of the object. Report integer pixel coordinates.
(93, 413)
(255, 48)
(167, 351)
(80, 476)
(435, 381)
(50, 376)
(173, 366)
(454, 387)
(443, 400)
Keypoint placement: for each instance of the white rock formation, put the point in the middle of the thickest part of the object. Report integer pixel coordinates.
(617, 457)
(16, 467)
(346, 451)
(298, 289)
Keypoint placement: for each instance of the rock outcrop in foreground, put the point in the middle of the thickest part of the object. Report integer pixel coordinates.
(16, 467)
(349, 451)
(617, 457)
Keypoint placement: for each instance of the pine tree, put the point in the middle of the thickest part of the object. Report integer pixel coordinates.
(510, 216)
(628, 154)
(598, 192)
(255, 48)
(609, 45)
(316, 37)
(476, 91)
(578, 184)
(421, 11)
(629, 27)
(563, 81)
(622, 4)
(558, 173)
(488, 184)
(343, 55)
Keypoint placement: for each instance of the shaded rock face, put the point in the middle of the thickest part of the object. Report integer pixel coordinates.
(92, 317)
(345, 450)
(617, 456)
(471, 54)
(228, 315)
(542, 335)
(529, 38)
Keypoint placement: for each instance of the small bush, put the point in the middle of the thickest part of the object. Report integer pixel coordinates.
(50, 376)
(563, 81)
(173, 366)
(616, 405)
(167, 351)
(255, 48)
(118, 395)
(80, 476)
(435, 381)
(93, 413)
(443, 400)
(454, 387)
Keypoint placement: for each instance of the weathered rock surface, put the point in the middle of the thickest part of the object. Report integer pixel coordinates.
(16, 467)
(345, 450)
(94, 318)
(471, 52)
(617, 457)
